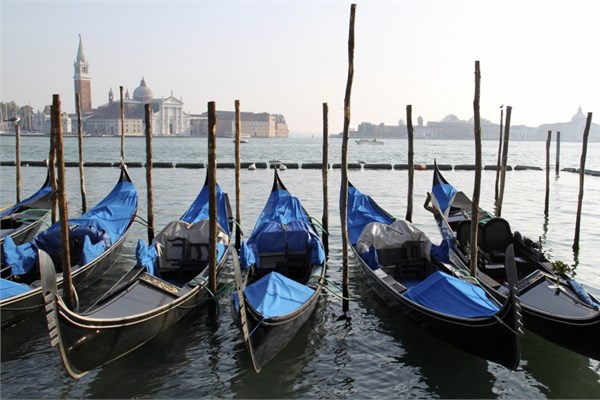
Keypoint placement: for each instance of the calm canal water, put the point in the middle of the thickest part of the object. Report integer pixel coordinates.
(375, 354)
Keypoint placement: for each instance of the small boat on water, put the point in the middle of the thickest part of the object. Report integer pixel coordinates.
(555, 306)
(168, 282)
(412, 275)
(94, 240)
(23, 220)
(369, 141)
(283, 265)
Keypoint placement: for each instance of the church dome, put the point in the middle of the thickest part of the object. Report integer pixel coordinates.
(579, 117)
(143, 92)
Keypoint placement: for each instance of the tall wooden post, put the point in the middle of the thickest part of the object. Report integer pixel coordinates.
(324, 172)
(149, 193)
(344, 189)
(238, 201)
(80, 141)
(62, 205)
(477, 184)
(411, 163)
(557, 166)
(212, 195)
(504, 162)
(122, 125)
(499, 154)
(52, 163)
(586, 134)
(547, 199)
(18, 157)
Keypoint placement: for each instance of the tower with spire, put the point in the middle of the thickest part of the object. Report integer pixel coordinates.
(82, 79)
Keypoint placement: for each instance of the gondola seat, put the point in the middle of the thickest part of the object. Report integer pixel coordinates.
(497, 236)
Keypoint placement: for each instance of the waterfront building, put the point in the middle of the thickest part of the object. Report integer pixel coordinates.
(256, 125)
(83, 79)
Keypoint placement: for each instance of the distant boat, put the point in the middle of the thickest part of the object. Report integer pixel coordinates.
(368, 141)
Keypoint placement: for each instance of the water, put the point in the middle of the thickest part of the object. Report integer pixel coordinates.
(375, 354)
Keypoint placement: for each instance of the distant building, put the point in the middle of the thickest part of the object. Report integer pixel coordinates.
(259, 125)
(82, 79)
(571, 131)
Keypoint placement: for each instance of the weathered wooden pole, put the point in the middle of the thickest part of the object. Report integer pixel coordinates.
(547, 199)
(344, 189)
(477, 184)
(586, 134)
(238, 201)
(52, 163)
(499, 154)
(411, 163)
(18, 157)
(122, 125)
(80, 138)
(504, 162)
(149, 193)
(69, 295)
(557, 166)
(212, 195)
(324, 170)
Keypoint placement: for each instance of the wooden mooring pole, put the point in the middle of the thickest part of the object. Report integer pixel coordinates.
(586, 134)
(52, 163)
(69, 295)
(324, 170)
(18, 156)
(122, 125)
(557, 165)
(411, 163)
(212, 195)
(547, 198)
(504, 162)
(149, 189)
(80, 142)
(238, 200)
(477, 184)
(344, 189)
(499, 154)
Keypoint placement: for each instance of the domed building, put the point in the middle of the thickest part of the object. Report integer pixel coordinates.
(143, 93)
(572, 131)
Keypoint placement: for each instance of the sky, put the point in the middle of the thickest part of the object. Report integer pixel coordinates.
(290, 57)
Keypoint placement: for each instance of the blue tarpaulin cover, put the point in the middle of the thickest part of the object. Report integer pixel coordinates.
(10, 288)
(96, 231)
(274, 295)
(363, 210)
(282, 221)
(43, 191)
(449, 295)
(443, 192)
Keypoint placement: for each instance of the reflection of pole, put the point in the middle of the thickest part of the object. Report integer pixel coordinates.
(238, 201)
(344, 193)
(499, 153)
(411, 164)
(324, 170)
(586, 134)
(504, 162)
(212, 195)
(557, 166)
(18, 157)
(547, 201)
(149, 194)
(477, 184)
(80, 138)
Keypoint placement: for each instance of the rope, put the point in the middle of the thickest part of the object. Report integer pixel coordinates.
(235, 221)
(324, 286)
(318, 224)
(256, 327)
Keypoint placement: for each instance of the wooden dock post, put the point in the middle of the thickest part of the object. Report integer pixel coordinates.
(324, 170)
(52, 165)
(504, 162)
(411, 162)
(80, 142)
(547, 198)
(344, 189)
(586, 134)
(212, 195)
(477, 184)
(238, 201)
(149, 193)
(122, 125)
(69, 296)
(499, 154)
(557, 166)
(18, 156)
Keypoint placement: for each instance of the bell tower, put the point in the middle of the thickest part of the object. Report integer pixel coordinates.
(82, 79)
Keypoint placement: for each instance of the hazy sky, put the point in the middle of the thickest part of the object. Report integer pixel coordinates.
(288, 57)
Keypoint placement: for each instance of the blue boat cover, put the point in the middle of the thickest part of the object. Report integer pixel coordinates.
(363, 210)
(274, 295)
(10, 288)
(449, 295)
(443, 192)
(283, 222)
(199, 209)
(95, 231)
(43, 191)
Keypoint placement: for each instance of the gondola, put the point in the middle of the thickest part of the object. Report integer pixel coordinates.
(414, 276)
(170, 280)
(94, 240)
(283, 265)
(23, 220)
(555, 306)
